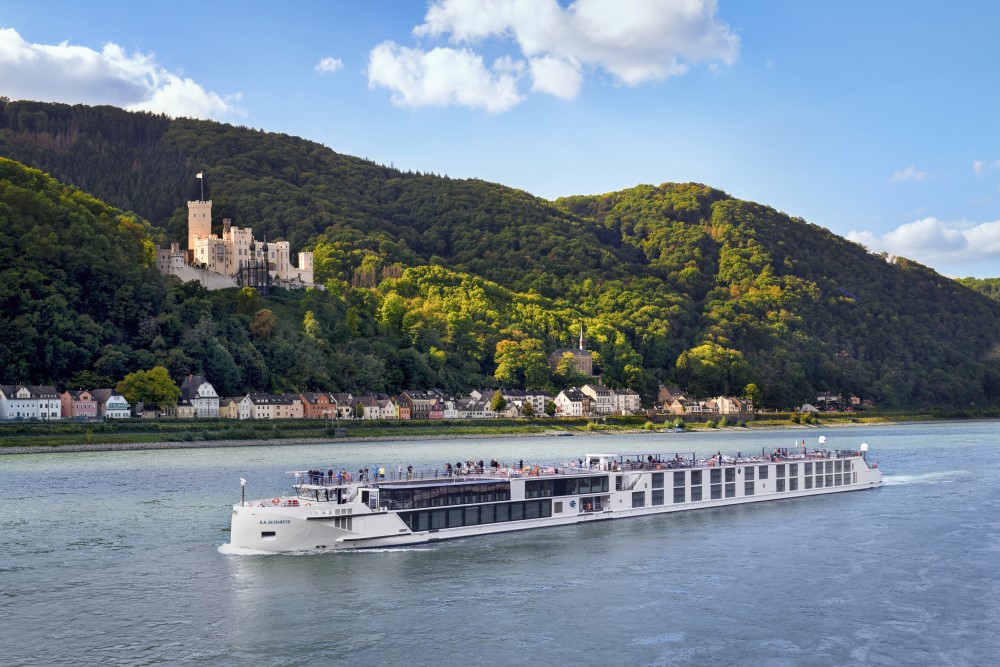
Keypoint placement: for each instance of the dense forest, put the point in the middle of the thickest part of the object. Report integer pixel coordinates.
(431, 281)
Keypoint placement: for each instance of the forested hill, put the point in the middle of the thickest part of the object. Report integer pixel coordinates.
(456, 283)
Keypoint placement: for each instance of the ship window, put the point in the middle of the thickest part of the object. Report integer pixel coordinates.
(439, 519)
(679, 478)
(638, 499)
(695, 477)
(268, 535)
(748, 473)
(715, 476)
(730, 474)
(503, 513)
(423, 520)
(487, 514)
(657, 480)
(838, 465)
(471, 516)
(572, 487)
(829, 466)
(619, 483)
(604, 484)
(808, 468)
(678, 494)
(471, 495)
(829, 480)
(455, 517)
(838, 479)
(516, 511)
(779, 470)
(780, 485)
(716, 491)
(533, 509)
(695, 494)
(847, 466)
(809, 482)
(657, 497)
(762, 470)
(585, 485)
(793, 469)
(747, 488)
(819, 481)
(730, 490)
(557, 509)
(793, 484)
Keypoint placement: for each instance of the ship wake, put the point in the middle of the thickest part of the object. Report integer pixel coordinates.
(942, 477)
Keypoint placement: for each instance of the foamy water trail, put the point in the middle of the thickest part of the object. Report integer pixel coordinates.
(943, 477)
(230, 550)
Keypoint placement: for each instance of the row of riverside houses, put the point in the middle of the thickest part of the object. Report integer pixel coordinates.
(676, 401)
(588, 400)
(200, 400)
(45, 403)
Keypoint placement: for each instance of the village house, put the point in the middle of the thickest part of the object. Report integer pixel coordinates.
(318, 405)
(111, 404)
(229, 408)
(78, 404)
(29, 401)
(602, 399)
(200, 393)
(627, 401)
(572, 403)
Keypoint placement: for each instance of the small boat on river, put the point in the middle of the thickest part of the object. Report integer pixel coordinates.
(333, 512)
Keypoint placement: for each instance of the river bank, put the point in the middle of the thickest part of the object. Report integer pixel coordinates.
(436, 435)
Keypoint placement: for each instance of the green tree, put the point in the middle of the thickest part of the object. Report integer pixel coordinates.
(753, 394)
(550, 408)
(152, 387)
(498, 403)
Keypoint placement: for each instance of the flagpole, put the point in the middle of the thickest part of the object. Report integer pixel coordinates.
(243, 492)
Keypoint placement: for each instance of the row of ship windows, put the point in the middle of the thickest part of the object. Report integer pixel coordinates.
(572, 486)
(718, 491)
(440, 496)
(459, 517)
(749, 472)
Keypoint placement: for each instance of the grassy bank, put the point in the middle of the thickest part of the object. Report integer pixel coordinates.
(57, 434)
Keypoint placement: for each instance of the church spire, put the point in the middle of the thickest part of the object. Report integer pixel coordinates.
(581, 337)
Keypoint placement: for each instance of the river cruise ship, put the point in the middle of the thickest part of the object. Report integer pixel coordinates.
(330, 512)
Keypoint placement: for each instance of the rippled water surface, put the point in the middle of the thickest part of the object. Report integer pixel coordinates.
(114, 558)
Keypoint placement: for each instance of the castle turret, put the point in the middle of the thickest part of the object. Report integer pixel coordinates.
(199, 222)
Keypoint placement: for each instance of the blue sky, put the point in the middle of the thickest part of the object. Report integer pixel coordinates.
(877, 120)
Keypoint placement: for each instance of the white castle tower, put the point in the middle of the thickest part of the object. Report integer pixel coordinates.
(199, 223)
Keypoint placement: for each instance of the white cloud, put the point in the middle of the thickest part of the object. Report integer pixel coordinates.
(78, 74)
(908, 174)
(329, 65)
(556, 76)
(443, 76)
(979, 166)
(935, 242)
(636, 42)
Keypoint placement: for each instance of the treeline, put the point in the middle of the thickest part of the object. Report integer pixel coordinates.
(459, 283)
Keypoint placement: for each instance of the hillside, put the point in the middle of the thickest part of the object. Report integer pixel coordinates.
(442, 282)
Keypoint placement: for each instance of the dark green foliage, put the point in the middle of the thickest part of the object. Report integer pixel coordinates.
(438, 282)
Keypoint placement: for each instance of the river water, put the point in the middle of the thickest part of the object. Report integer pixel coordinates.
(117, 558)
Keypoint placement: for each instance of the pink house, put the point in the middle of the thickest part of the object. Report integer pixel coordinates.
(78, 404)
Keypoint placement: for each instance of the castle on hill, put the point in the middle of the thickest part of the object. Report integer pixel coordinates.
(235, 259)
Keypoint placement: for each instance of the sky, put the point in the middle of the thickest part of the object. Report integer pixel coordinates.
(877, 120)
